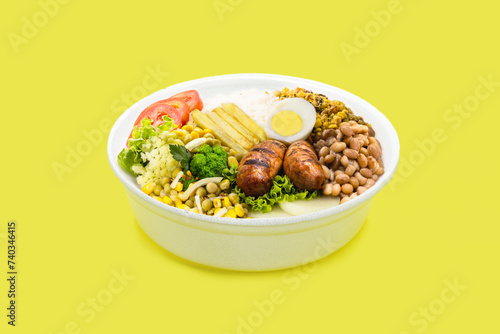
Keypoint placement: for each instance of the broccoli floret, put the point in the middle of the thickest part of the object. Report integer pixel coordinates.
(219, 151)
(205, 149)
(197, 163)
(209, 162)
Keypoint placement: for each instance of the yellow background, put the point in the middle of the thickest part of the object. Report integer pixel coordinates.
(437, 224)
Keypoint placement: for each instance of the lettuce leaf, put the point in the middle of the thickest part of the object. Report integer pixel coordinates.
(282, 190)
(128, 158)
(168, 124)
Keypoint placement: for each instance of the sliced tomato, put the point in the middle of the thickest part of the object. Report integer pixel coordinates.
(155, 112)
(181, 115)
(191, 97)
(177, 107)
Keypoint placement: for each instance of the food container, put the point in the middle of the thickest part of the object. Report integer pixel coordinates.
(252, 244)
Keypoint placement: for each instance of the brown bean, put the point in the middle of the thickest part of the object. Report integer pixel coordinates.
(350, 170)
(380, 162)
(354, 181)
(328, 133)
(366, 172)
(346, 130)
(336, 163)
(321, 160)
(342, 179)
(355, 164)
(364, 151)
(375, 177)
(354, 144)
(362, 160)
(356, 129)
(361, 190)
(379, 171)
(363, 129)
(371, 132)
(353, 195)
(330, 141)
(361, 178)
(344, 161)
(329, 158)
(350, 153)
(347, 188)
(326, 171)
(340, 135)
(336, 189)
(369, 183)
(345, 199)
(374, 150)
(337, 172)
(372, 163)
(338, 146)
(327, 189)
(324, 151)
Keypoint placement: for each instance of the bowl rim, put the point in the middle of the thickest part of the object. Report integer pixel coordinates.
(389, 170)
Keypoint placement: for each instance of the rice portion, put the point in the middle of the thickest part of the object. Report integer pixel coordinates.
(254, 103)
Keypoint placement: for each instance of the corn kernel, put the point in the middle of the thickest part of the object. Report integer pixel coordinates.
(232, 161)
(195, 135)
(180, 133)
(208, 131)
(217, 203)
(148, 188)
(179, 186)
(184, 207)
(230, 214)
(238, 209)
(216, 210)
(187, 127)
(178, 203)
(195, 210)
(227, 202)
(168, 200)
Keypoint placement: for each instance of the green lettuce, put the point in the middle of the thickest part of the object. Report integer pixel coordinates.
(131, 156)
(282, 190)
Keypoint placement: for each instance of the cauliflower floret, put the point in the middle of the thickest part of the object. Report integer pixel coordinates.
(160, 162)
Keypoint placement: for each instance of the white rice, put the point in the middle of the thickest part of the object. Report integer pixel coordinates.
(254, 103)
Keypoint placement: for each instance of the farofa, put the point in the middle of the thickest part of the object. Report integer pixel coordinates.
(329, 113)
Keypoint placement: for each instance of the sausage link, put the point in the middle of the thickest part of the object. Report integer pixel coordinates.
(259, 166)
(302, 167)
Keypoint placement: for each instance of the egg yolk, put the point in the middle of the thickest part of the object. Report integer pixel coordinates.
(286, 123)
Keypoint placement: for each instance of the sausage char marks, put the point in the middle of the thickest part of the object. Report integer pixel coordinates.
(301, 165)
(259, 167)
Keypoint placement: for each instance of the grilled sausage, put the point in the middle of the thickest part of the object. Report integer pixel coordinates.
(302, 167)
(259, 167)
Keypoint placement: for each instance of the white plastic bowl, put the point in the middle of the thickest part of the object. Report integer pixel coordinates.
(252, 244)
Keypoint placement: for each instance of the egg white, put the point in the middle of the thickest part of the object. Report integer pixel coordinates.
(303, 109)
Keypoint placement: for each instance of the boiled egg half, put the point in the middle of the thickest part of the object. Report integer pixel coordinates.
(290, 120)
